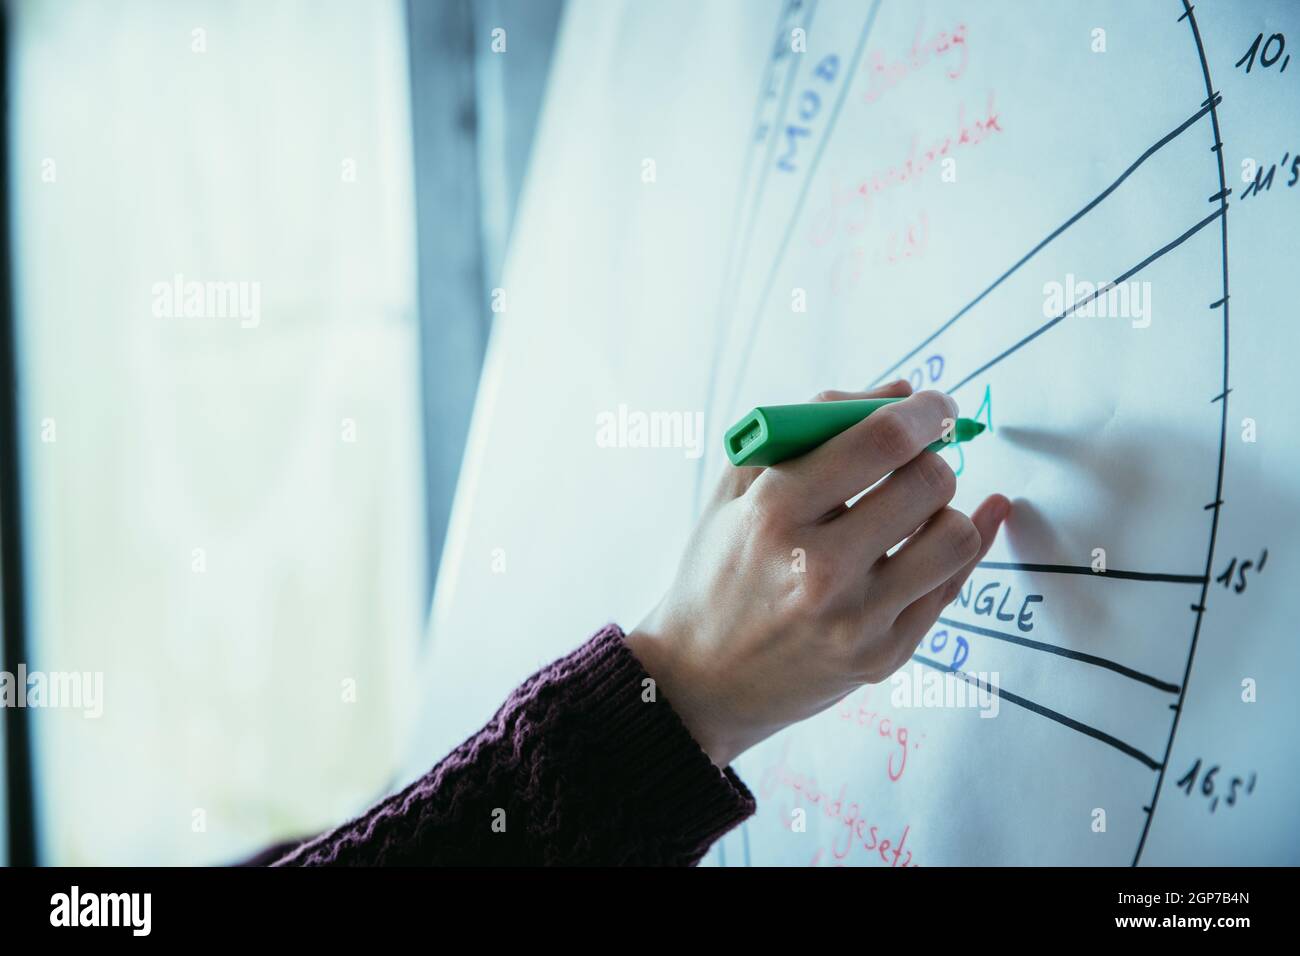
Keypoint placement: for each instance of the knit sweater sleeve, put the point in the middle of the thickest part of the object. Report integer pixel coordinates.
(582, 764)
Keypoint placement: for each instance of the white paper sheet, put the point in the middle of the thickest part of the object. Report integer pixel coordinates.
(1145, 714)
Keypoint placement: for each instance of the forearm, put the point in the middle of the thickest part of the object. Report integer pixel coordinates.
(585, 763)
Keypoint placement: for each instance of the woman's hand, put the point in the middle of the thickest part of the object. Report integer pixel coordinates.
(786, 599)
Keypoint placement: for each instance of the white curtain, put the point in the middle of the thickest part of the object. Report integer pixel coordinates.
(224, 511)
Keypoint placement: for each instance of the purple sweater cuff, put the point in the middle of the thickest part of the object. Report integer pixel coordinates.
(577, 767)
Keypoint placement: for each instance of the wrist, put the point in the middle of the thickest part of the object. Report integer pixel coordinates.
(660, 654)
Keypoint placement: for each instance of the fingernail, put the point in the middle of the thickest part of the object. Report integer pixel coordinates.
(952, 405)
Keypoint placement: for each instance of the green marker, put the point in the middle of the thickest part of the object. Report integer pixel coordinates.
(775, 433)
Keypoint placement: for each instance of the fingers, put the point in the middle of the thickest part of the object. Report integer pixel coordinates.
(895, 508)
(919, 616)
(807, 488)
(988, 517)
(897, 389)
(931, 557)
(736, 481)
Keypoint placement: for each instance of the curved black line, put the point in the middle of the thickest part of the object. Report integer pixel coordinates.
(1213, 99)
(1123, 277)
(1087, 571)
(1147, 154)
(1036, 708)
(1083, 658)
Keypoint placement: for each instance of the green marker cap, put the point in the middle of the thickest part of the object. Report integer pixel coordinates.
(772, 434)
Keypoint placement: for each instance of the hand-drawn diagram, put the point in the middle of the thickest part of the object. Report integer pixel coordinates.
(876, 180)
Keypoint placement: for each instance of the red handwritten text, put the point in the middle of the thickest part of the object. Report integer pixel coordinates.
(837, 215)
(853, 832)
(860, 712)
(886, 74)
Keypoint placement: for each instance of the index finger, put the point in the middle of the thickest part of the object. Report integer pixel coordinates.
(809, 487)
